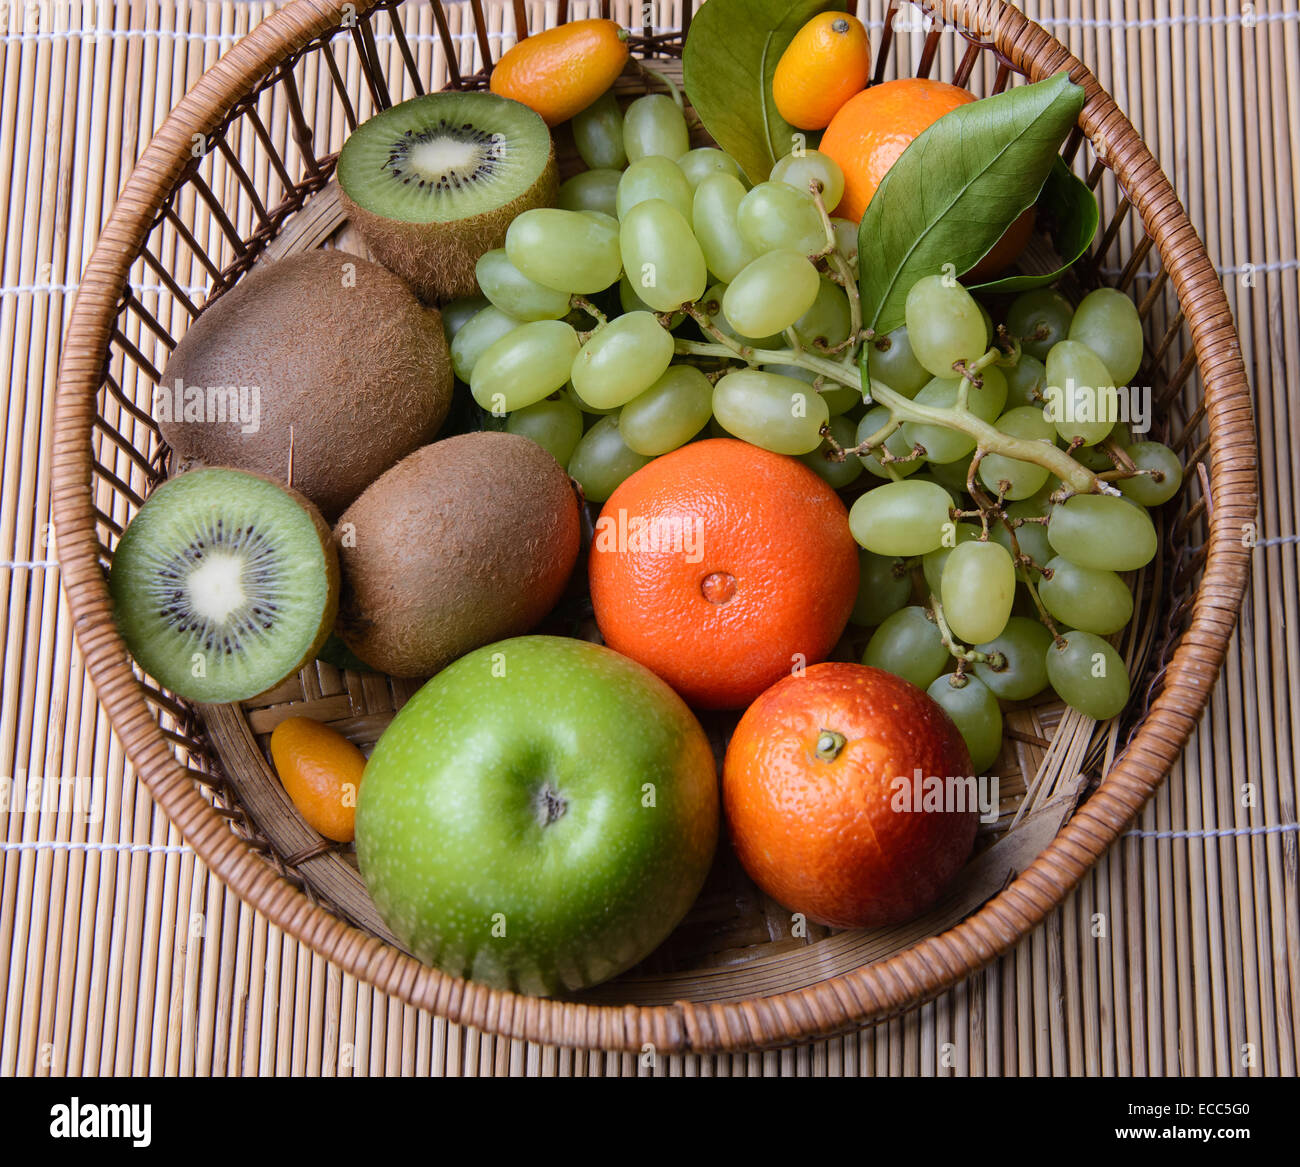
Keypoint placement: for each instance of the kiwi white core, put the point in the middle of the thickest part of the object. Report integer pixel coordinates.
(217, 587)
(456, 159)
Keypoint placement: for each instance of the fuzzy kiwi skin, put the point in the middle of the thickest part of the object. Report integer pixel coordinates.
(346, 357)
(465, 542)
(437, 259)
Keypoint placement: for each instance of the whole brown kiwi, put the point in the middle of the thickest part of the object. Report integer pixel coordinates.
(465, 542)
(320, 370)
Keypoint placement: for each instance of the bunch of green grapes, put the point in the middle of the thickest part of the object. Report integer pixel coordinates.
(578, 340)
(665, 300)
(987, 580)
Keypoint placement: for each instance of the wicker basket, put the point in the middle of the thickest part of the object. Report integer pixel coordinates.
(241, 170)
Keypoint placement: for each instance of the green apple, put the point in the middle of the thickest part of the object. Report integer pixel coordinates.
(539, 816)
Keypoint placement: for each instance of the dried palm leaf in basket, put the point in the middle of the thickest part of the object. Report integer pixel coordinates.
(270, 117)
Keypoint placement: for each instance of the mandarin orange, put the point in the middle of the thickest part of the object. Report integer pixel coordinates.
(721, 567)
(870, 131)
(830, 796)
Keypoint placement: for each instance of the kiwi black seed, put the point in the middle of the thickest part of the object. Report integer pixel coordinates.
(224, 584)
(434, 182)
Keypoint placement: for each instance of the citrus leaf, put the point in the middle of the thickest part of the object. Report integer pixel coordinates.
(1070, 210)
(956, 189)
(731, 53)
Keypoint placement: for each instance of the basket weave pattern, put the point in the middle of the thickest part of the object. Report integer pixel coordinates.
(107, 455)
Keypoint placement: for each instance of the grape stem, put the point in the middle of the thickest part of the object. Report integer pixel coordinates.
(1043, 613)
(1120, 457)
(585, 305)
(663, 79)
(967, 655)
(1075, 475)
(842, 274)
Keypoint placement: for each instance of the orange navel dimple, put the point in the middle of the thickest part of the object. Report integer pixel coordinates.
(718, 587)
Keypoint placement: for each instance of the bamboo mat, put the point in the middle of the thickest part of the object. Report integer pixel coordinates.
(1179, 954)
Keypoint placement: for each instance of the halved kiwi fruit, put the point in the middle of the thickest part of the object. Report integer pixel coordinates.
(224, 584)
(434, 182)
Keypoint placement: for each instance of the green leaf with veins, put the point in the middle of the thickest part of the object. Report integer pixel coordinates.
(957, 187)
(731, 53)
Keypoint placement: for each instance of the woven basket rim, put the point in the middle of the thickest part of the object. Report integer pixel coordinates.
(867, 994)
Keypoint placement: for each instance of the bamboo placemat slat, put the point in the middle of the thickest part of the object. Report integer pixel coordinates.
(1179, 954)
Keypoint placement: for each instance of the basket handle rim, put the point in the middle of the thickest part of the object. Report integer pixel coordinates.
(865, 995)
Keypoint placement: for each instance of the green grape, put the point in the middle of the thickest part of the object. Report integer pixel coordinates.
(1025, 478)
(602, 460)
(1144, 489)
(839, 398)
(988, 324)
(585, 407)
(1122, 434)
(1042, 502)
(1081, 398)
(514, 293)
(1039, 319)
(598, 134)
(655, 124)
(524, 366)
(622, 360)
(932, 563)
(774, 215)
(1031, 538)
(571, 251)
(668, 414)
(1085, 597)
(713, 215)
(909, 645)
(664, 262)
(974, 710)
(711, 306)
(944, 325)
(947, 445)
(1022, 672)
(556, 426)
(777, 413)
(629, 301)
(771, 293)
(457, 313)
(654, 177)
(1102, 531)
(901, 518)
(706, 161)
(828, 319)
(1088, 674)
(837, 475)
(884, 586)
(479, 333)
(846, 239)
(1026, 381)
(799, 172)
(592, 190)
(873, 421)
(979, 587)
(890, 359)
(1093, 457)
(950, 475)
(1108, 323)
